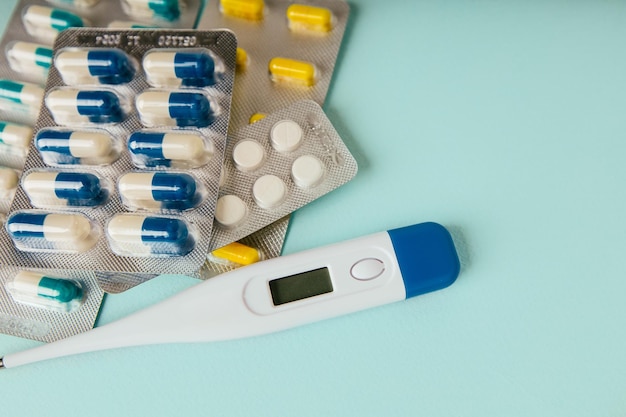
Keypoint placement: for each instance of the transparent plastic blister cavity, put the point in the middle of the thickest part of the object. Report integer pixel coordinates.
(50, 188)
(104, 189)
(275, 166)
(177, 149)
(47, 304)
(61, 147)
(287, 50)
(53, 232)
(39, 290)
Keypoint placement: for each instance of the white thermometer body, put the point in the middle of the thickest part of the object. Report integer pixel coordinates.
(281, 293)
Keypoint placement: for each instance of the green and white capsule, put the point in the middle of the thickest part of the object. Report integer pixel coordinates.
(29, 58)
(154, 9)
(18, 96)
(43, 291)
(15, 137)
(47, 22)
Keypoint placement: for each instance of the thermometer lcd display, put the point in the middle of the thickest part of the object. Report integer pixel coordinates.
(300, 286)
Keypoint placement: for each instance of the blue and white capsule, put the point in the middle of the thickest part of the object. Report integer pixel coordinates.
(74, 106)
(168, 10)
(159, 190)
(20, 97)
(175, 108)
(94, 66)
(47, 22)
(169, 149)
(15, 138)
(195, 68)
(34, 231)
(84, 147)
(8, 182)
(36, 289)
(51, 188)
(136, 235)
(29, 58)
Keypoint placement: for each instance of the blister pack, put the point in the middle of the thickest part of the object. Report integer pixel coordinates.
(124, 169)
(26, 56)
(287, 50)
(266, 243)
(277, 165)
(47, 304)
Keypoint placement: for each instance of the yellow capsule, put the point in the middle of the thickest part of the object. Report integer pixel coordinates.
(303, 17)
(244, 9)
(238, 253)
(256, 117)
(241, 59)
(290, 70)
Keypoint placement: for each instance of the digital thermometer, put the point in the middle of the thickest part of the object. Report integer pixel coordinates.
(281, 293)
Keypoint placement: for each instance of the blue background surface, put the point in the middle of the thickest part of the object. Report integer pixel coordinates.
(503, 120)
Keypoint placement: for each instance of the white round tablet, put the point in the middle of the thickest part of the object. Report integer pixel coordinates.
(231, 211)
(269, 191)
(307, 171)
(286, 136)
(248, 155)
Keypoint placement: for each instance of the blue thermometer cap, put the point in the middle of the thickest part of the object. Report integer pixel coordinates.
(427, 257)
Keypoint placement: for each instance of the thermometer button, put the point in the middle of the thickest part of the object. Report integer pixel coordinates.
(366, 269)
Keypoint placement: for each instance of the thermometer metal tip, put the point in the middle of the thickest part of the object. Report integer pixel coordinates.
(280, 293)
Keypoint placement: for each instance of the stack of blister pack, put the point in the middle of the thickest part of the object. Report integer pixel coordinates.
(134, 146)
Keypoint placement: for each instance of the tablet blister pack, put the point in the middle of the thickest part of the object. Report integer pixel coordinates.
(275, 166)
(26, 56)
(47, 304)
(287, 52)
(125, 165)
